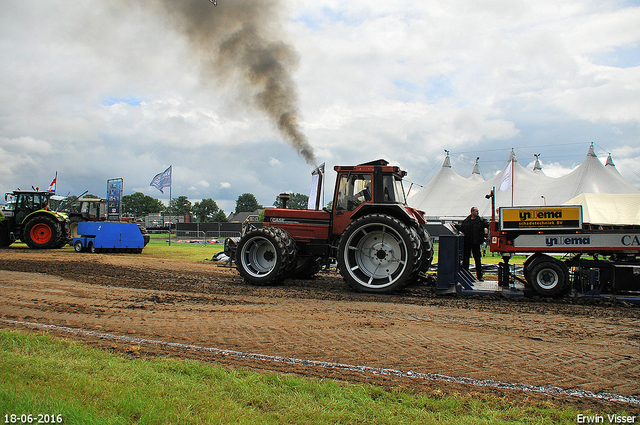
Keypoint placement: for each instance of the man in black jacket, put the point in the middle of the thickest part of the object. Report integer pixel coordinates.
(475, 229)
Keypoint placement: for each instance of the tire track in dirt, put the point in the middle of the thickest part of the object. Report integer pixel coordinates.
(547, 390)
(535, 342)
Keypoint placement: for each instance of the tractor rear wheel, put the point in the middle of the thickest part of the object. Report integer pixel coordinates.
(42, 232)
(5, 239)
(307, 267)
(266, 256)
(378, 253)
(66, 238)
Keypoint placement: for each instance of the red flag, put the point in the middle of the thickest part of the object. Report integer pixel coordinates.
(52, 186)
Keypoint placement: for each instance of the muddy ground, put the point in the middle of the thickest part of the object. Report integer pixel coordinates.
(584, 345)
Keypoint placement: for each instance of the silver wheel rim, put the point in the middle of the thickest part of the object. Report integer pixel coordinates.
(259, 256)
(547, 278)
(375, 255)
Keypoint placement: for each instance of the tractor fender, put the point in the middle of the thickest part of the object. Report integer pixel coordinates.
(397, 211)
(58, 216)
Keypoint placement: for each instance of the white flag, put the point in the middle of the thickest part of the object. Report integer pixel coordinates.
(162, 180)
(317, 188)
(505, 184)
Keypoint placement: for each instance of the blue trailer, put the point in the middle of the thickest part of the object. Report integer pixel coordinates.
(105, 236)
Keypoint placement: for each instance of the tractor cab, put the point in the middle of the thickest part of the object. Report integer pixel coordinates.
(89, 209)
(363, 187)
(27, 202)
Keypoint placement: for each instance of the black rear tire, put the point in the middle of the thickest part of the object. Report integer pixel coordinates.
(307, 267)
(42, 232)
(378, 253)
(266, 256)
(5, 239)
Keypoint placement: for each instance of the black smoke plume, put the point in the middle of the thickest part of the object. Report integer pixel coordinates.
(240, 40)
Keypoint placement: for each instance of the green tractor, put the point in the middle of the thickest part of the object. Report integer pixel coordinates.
(29, 219)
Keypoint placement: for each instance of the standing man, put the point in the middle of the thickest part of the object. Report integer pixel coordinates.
(475, 229)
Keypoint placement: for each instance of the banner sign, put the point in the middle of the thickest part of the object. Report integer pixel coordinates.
(114, 198)
(541, 218)
(571, 242)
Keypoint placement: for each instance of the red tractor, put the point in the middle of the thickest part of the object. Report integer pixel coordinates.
(379, 242)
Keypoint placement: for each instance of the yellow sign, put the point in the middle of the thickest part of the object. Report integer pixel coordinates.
(541, 218)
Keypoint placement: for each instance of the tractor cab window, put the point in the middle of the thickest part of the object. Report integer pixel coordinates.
(90, 209)
(27, 203)
(353, 190)
(392, 189)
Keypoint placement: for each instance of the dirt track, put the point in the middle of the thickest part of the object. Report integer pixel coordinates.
(572, 344)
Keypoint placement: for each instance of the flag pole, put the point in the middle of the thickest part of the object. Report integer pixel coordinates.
(170, 214)
(512, 174)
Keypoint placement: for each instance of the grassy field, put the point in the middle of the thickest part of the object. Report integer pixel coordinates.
(41, 375)
(159, 247)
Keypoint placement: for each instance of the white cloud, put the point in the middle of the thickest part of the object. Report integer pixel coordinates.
(115, 92)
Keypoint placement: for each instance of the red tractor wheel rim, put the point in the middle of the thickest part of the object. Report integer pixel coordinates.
(41, 233)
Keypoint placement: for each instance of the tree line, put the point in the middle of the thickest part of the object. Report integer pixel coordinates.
(138, 204)
(206, 210)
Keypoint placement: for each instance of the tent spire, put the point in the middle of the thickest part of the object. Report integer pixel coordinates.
(592, 151)
(476, 168)
(447, 161)
(610, 161)
(537, 166)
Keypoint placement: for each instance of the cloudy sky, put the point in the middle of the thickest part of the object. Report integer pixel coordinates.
(100, 90)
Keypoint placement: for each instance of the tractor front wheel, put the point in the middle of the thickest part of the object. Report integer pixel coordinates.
(378, 253)
(266, 256)
(42, 232)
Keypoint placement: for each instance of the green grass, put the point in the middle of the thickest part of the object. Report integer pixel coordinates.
(159, 247)
(43, 375)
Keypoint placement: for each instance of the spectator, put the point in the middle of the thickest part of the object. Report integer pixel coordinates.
(475, 229)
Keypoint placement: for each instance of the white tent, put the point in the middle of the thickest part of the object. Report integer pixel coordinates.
(609, 209)
(445, 187)
(450, 196)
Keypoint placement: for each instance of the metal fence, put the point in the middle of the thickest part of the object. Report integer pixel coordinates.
(206, 236)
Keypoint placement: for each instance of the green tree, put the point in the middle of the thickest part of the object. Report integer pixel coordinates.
(139, 204)
(205, 210)
(247, 202)
(180, 205)
(220, 216)
(297, 201)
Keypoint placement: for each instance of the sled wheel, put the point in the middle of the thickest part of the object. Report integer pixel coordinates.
(548, 277)
(78, 246)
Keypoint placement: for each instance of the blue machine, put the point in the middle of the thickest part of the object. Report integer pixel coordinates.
(108, 237)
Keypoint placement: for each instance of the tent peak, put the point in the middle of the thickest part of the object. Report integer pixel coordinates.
(610, 161)
(476, 168)
(512, 156)
(592, 151)
(537, 166)
(447, 161)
